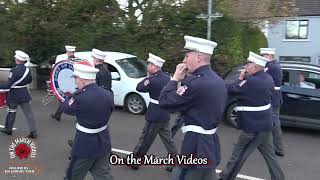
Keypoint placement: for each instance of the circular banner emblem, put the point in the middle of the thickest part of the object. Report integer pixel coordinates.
(62, 83)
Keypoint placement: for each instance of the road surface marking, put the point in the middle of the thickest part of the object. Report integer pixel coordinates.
(3, 127)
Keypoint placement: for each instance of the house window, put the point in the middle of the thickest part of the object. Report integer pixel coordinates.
(295, 58)
(296, 29)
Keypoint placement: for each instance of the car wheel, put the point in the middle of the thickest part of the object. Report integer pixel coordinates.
(135, 104)
(231, 115)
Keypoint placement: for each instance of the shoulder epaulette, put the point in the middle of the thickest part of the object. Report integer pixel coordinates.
(192, 77)
(189, 79)
(153, 76)
(14, 68)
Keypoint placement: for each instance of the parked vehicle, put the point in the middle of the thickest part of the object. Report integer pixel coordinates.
(300, 93)
(4, 74)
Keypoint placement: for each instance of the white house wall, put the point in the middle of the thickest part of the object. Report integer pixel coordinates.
(306, 47)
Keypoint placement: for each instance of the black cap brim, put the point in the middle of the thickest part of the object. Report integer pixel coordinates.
(185, 51)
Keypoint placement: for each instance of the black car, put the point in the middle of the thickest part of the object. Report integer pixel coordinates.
(300, 93)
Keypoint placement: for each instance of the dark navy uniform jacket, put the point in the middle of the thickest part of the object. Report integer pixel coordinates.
(92, 107)
(201, 102)
(104, 76)
(153, 85)
(273, 68)
(17, 95)
(255, 91)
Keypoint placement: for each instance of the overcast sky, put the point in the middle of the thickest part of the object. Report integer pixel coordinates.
(122, 2)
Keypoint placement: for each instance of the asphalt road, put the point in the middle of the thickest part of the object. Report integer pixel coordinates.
(300, 163)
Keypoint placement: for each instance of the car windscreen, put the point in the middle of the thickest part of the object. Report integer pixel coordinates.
(133, 67)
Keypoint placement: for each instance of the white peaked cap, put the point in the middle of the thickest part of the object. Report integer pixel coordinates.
(267, 51)
(84, 71)
(158, 61)
(21, 56)
(199, 44)
(70, 48)
(255, 58)
(98, 54)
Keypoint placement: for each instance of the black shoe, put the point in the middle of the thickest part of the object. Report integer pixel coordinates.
(6, 131)
(169, 168)
(33, 135)
(70, 143)
(281, 154)
(55, 117)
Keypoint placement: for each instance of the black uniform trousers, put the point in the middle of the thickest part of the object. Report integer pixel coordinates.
(277, 134)
(193, 174)
(59, 111)
(149, 133)
(98, 167)
(177, 125)
(246, 145)
(27, 111)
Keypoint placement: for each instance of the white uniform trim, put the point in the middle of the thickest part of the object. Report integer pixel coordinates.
(197, 129)
(21, 79)
(12, 110)
(250, 108)
(277, 88)
(154, 101)
(90, 131)
(17, 87)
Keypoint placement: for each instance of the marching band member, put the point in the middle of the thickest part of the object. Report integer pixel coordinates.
(201, 101)
(92, 146)
(19, 95)
(273, 68)
(157, 119)
(62, 57)
(69, 55)
(104, 75)
(103, 78)
(254, 111)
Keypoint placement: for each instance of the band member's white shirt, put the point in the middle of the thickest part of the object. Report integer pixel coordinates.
(61, 57)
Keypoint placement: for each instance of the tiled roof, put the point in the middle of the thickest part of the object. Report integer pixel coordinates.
(308, 7)
(262, 9)
(268, 9)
